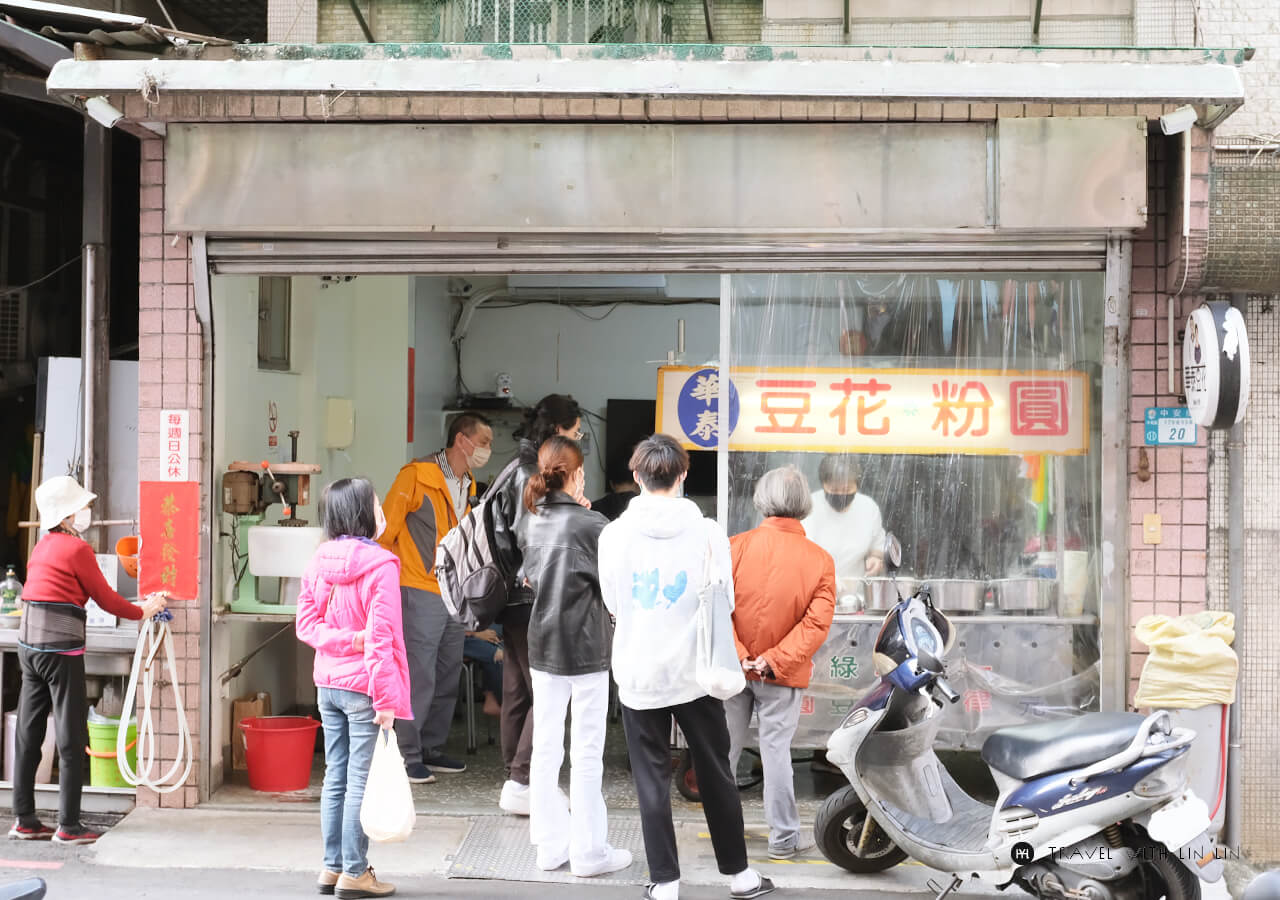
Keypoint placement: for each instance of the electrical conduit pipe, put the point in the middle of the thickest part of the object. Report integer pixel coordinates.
(152, 637)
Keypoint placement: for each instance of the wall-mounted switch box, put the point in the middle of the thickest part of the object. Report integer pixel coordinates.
(1151, 528)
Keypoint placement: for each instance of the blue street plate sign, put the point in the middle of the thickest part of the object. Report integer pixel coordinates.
(1169, 425)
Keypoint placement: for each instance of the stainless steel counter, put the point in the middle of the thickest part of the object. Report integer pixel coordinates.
(1009, 669)
(108, 651)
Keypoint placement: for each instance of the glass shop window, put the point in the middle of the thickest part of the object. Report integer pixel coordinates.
(960, 412)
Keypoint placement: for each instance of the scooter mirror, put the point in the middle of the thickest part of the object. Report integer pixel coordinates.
(892, 552)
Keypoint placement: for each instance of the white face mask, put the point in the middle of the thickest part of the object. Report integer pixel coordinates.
(381, 523)
(80, 521)
(479, 457)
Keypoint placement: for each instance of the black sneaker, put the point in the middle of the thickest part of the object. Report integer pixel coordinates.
(36, 832)
(419, 774)
(443, 763)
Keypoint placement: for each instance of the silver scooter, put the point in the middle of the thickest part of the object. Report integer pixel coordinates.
(1095, 807)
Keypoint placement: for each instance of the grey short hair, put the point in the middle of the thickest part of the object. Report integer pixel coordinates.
(783, 492)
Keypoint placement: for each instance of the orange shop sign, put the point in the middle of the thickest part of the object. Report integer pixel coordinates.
(823, 410)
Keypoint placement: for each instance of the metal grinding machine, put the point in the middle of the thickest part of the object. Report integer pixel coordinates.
(263, 550)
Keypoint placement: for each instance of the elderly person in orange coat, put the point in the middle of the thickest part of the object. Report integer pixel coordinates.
(784, 598)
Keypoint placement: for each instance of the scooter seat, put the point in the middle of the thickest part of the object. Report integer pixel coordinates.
(1027, 751)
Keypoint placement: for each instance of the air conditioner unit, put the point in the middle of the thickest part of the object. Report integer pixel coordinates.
(597, 285)
(13, 325)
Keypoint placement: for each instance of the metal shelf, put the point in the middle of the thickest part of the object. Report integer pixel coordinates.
(97, 640)
(227, 615)
(959, 619)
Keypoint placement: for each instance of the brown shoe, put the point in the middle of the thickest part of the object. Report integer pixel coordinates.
(367, 885)
(327, 881)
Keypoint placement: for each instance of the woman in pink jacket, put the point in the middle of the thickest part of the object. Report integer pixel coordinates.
(349, 611)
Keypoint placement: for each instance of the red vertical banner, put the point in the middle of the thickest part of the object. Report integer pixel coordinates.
(169, 521)
(409, 430)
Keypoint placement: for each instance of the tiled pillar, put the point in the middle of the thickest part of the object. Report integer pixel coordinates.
(170, 367)
(1166, 578)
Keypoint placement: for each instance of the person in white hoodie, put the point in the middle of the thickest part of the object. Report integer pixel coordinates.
(652, 565)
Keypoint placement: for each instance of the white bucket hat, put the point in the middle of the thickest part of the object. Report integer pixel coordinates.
(60, 497)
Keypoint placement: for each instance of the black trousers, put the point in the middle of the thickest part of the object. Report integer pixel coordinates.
(51, 681)
(517, 701)
(649, 744)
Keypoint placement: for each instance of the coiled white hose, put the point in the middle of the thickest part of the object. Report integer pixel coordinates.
(153, 636)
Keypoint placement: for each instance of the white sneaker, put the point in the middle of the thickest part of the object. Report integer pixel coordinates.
(514, 798)
(614, 861)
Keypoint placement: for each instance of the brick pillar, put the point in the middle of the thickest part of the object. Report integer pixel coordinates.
(1167, 578)
(170, 367)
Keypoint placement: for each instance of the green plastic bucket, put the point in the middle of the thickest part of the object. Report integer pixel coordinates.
(104, 771)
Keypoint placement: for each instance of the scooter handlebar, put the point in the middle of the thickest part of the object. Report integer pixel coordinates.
(940, 686)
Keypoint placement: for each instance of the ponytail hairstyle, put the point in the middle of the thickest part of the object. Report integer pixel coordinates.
(553, 411)
(558, 459)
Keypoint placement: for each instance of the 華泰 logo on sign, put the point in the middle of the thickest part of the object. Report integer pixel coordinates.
(698, 408)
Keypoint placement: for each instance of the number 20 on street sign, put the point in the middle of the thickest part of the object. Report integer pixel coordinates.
(1169, 425)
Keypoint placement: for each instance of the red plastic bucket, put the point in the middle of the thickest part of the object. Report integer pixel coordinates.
(278, 751)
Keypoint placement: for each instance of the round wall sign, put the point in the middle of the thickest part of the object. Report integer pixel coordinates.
(1215, 365)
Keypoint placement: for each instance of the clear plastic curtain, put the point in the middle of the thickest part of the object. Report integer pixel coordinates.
(968, 405)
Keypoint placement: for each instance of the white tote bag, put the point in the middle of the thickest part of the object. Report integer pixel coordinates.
(718, 670)
(386, 813)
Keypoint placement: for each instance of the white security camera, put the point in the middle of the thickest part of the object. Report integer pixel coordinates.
(1178, 121)
(102, 112)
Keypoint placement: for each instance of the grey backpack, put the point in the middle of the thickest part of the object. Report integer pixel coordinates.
(474, 582)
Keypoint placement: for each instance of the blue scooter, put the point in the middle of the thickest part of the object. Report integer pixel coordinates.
(28, 889)
(1095, 807)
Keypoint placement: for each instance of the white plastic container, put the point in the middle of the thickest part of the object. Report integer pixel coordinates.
(44, 772)
(277, 551)
(1075, 583)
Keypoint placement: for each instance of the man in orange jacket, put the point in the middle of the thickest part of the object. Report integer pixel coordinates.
(784, 598)
(428, 498)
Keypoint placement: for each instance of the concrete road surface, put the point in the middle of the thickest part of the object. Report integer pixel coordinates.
(210, 853)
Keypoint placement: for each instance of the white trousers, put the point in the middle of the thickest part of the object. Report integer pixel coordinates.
(582, 837)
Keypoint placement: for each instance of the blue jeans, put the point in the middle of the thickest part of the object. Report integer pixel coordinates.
(484, 652)
(349, 739)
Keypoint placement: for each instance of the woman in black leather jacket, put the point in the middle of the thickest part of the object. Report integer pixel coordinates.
(570, 642)
(555, 414)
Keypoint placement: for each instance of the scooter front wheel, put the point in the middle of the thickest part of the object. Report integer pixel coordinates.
(847, 835)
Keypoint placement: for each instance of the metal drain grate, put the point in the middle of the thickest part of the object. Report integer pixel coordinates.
(498, 848)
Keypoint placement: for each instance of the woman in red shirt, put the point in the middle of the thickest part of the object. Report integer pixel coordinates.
(62, 575)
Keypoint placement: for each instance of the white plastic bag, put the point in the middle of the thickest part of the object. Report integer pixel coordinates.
(718, 670)
(386, 813)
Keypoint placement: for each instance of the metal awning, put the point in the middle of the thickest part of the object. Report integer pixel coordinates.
(568, 253)
(1200, 83)
(73, 24)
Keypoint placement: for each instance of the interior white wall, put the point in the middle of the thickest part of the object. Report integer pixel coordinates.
(347, 340)
(556, 349)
